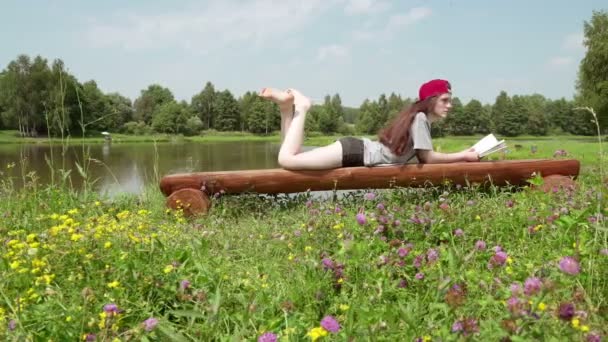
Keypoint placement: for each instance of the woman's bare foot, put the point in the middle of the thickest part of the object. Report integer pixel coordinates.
(301, 103)
(283, 98)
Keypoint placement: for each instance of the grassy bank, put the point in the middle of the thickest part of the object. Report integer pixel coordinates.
(435, 264)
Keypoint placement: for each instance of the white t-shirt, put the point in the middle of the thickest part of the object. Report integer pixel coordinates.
(376, 153)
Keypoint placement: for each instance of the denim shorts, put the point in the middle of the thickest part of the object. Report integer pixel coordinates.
(352, 151)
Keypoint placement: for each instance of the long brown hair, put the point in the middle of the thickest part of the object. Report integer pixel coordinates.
(396, 136)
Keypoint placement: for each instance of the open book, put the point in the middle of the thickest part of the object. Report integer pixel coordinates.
(489, 144)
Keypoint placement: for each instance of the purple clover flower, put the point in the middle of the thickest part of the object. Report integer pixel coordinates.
(110, 309)
(566, 311)
(480, 245)
(267, 337)
(328, 264)
(184, 284)
(330, 324)
(361, 219)
(150, 324)
(532, 286)
(569, 265)
(459, 232)
(419, 275)
(432, 255)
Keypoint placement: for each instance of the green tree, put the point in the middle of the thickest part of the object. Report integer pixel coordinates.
(537, 124)
(463, 120)
(503, 114)
(366, 121)
(227, 112)
(149, 100)
(559, 113)
(95, 110)
(171, 117)
(202, 104)
(592, 84)
(119, 109)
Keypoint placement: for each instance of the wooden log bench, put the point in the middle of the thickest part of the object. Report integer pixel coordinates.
(192, 191)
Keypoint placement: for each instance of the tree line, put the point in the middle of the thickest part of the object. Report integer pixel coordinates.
(38, 97)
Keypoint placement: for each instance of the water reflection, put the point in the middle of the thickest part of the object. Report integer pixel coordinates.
(129, 168)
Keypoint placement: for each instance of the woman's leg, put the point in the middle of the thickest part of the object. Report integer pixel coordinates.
(294, 107)
(285, 101)
(327, 157)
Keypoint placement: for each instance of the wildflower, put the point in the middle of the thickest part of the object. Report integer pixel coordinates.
(307, 249)
(594, 338)
(498, 259)
(330, 324)
(110, 309)
(344, 307)
(89, 337)
(402, 252)
(12, 324)
(370, 196)
(150, 324)
(515, 289)
(584, 328)
(380, 206)
(575, 323)
(466, 326)
(267, 337)
(168, 269)
(458, 232)
(532, 286)
(361, 218)
(566, 311)
(107, 245)
(478, 218)
(569, 265)
(432, 255)
(542, 306)
(114, 284)
(184, 284)
(419, 275)
(480, 245)
(316, 333)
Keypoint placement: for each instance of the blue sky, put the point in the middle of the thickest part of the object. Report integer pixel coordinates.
(357, 48)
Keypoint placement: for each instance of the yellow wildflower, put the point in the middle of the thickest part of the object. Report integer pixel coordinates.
(73, 211)
(168, 269)
(307, 249)
(15, 264)
(68, 319)
(30, 238)
(97, 203)
(317, 333)
(542, 306)
(575, 323)
(76, 237)
(478, 218)
(509, 260)
(344, 307)
(54, 216)
(585, 328)
(426, 338)
(290, 257)
(114, 284)
(107, 245)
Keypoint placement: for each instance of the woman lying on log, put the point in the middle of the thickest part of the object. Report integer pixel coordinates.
(406, 138)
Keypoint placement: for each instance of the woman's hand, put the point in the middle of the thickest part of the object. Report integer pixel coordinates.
(471, 156)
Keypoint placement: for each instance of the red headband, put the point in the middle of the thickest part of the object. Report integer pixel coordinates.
(433, 88)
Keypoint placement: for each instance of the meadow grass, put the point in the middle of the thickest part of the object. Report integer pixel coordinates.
(442, 263)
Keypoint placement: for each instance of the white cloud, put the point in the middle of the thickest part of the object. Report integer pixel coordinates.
(334, 51)
(365, 6)
(414, 15)
(574, 42)
(559, 62)
(216, 24)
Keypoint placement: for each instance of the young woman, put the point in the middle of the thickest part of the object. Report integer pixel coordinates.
(406, 139)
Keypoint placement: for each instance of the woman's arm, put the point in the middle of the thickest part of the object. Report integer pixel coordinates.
(432, 157)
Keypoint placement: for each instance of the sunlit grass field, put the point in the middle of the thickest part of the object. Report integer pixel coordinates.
(442, 263)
